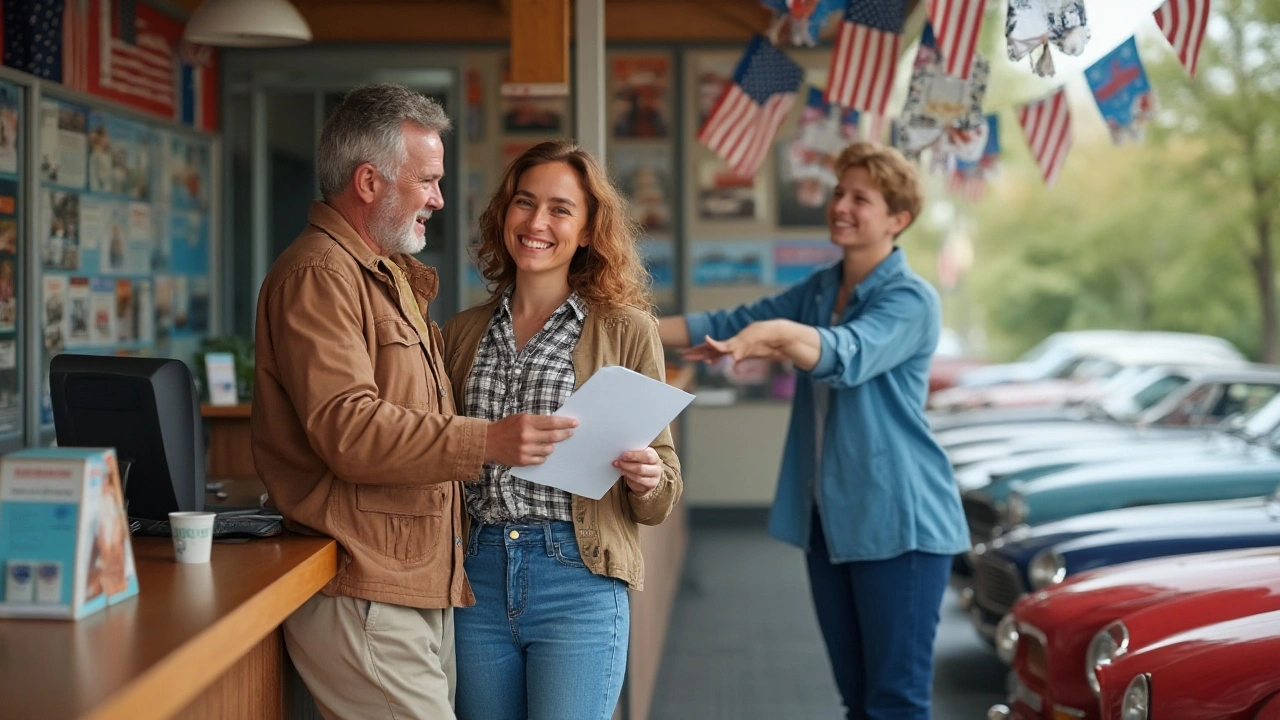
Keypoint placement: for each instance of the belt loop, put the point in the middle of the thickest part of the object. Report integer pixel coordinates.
(551, 539)
(473, 539)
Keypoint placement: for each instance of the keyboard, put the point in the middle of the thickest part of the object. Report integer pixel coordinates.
(231, 525)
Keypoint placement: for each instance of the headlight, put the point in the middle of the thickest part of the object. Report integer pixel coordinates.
(1007, 639)
(1015, 510)
(1110, 643)
(1047, 568)
(1137, 699)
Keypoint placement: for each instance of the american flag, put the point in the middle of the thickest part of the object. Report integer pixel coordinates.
(1047, 125)
(865, 59)
(1183, 22)
(135, 58)
(957, 24)
(743, 123)
(48, 39)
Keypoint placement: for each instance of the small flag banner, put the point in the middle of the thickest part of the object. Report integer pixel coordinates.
(1124, 96)
(958, 23)
(1184, 22)
(744, 122)
(1047, 125)
(865, 60)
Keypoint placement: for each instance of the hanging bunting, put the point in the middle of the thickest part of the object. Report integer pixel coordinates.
(1183, 22)
(804, 18)
(745, 119)
(958, 23)
(865, 59)
(969, 178)
(1124, 96)
(1035, 24)
(942, 111)
(821, 133)
(1047, 125)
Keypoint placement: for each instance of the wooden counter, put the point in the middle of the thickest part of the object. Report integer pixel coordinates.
(199, 641)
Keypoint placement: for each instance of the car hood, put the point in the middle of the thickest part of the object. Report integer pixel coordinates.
(1078, 604)
(1019, 464)
(1076, 533)
(942, 421)
(1151, 469)
(962, 436)
(1212, 671)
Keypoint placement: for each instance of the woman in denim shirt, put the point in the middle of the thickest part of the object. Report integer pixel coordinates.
(864, 489)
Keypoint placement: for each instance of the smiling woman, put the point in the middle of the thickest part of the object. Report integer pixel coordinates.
(570, 296)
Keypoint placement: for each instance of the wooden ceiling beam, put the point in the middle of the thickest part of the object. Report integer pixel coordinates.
(466, 21)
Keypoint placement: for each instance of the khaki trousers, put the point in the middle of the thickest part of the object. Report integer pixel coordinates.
(365, 660)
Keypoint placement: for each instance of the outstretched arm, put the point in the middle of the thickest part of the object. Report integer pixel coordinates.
(770, 339)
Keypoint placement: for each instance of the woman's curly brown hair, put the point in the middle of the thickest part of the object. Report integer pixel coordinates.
(608, 271)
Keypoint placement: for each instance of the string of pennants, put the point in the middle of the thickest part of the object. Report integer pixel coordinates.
(943, 111)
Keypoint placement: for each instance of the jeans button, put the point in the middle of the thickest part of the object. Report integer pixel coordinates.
(513, 535)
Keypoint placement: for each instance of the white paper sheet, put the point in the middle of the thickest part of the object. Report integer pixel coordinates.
(617, 410)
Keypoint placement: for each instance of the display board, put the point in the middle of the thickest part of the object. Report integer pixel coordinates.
(123, 227)
(12, 100)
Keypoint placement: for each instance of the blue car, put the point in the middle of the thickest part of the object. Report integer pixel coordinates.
(1238, 463)
(1032, 558)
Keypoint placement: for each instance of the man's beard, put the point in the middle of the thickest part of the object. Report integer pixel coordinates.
(393, 236)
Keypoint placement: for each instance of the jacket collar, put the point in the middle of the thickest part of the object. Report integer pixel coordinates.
(423, 279)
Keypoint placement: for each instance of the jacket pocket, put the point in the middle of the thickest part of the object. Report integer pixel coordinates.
(400, 367)
(404, 521)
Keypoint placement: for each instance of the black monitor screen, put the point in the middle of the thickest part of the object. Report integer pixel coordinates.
(145, 408)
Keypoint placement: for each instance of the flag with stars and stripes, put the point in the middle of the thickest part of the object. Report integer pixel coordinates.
(48, 39)
(1047, 125)
(957, 24)
(745, 120)
(1183, 22)
(865, 60)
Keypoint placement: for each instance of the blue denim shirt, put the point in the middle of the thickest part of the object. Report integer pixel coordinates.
(886, 486)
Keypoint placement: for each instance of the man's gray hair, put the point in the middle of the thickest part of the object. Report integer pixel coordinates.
(367, 127)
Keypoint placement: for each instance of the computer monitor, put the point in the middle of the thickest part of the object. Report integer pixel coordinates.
(145, 408)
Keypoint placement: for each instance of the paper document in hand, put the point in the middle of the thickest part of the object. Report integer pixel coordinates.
(617, 410)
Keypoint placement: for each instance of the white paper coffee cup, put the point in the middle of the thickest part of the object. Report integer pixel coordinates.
(192, 536)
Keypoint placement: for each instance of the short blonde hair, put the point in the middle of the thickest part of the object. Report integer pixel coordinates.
(894, 176)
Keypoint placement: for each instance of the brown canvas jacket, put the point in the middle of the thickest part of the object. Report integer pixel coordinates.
(608, 535)
(353, 424)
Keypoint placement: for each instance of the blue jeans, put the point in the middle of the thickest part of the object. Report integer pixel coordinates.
(879, 620)
(547, 638)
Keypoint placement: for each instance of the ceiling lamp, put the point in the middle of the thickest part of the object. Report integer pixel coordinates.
(247, 23)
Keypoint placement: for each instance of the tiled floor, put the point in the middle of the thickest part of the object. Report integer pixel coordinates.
(744, 643)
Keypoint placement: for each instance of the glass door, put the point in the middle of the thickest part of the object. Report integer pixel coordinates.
(272, 134)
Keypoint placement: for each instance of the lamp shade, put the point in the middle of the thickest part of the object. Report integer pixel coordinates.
(247, 23)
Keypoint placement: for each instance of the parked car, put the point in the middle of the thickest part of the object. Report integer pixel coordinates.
(1090, 377)
(1054, 640)
(1058, 354)
(1030, 559)
(1168, 402)
(950, 360)
(1221, 671)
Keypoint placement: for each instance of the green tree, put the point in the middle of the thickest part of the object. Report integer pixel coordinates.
(1231, 114)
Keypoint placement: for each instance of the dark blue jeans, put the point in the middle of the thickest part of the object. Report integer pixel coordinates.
(879, 620)
(547, 638)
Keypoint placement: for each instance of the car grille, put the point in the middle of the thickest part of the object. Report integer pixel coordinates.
(1035, 658)
(996, 584)
(981, 515)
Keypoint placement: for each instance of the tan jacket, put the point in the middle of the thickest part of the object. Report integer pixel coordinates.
(353, 424)
(608, 536)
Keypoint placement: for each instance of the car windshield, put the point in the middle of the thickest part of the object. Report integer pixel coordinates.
(1139, 396)
(1263, 421)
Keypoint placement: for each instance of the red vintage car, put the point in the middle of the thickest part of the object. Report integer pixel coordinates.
(1053, 639)
(1223, 671)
